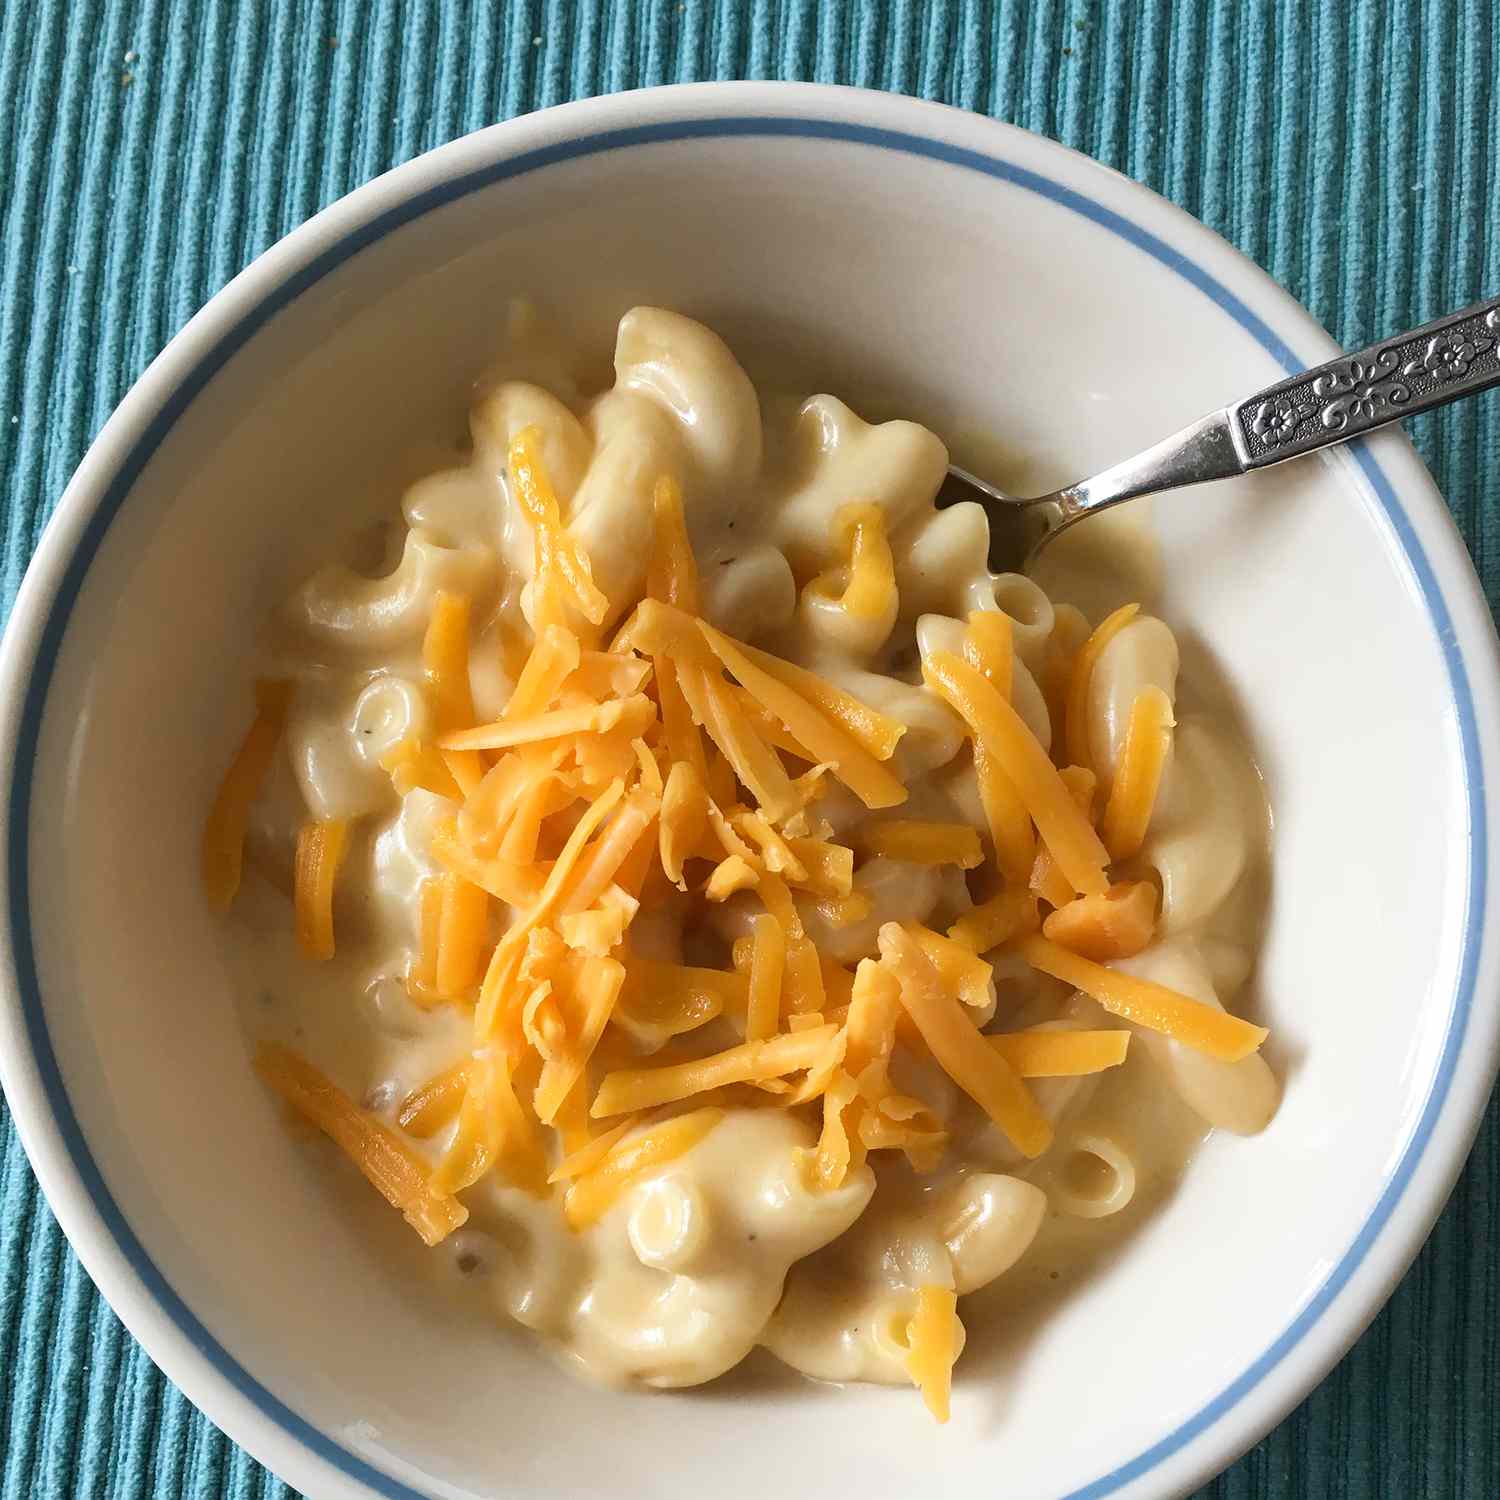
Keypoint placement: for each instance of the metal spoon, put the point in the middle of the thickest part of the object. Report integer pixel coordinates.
(1454, 356)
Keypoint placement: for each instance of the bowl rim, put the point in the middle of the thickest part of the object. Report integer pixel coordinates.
(1433, 1152)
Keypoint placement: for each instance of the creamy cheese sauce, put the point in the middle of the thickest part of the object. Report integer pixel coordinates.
(728, 1247)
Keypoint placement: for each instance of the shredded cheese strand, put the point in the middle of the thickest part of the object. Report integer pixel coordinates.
(596, 1192)
(1076, 737)
(767, 963)
(224, 833)
(989, 647)
(933, 1343)
(557, 556)
(1067, 832)
(1047, 1053)
(1132, 798)
(1147, 1004)
(920, 843)
(434, 1105)
(320, 852)
(645, 1088)
(827, 742)
(388, 1163)
(672, 574)
(996, 921)
(959, 1048)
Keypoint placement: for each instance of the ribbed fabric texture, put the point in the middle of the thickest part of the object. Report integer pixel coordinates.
(149, 150)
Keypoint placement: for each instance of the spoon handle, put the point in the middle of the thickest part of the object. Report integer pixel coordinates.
(1450, 357)
(1454, 356)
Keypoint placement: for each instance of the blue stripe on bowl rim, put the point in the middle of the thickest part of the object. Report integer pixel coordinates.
(118, 490)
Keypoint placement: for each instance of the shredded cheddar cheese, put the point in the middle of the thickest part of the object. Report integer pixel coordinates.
(679, 772)
(804, 974)
(435, 1104)
(1132, 798)
(412, 764)
(673, 573)
(1039, 1053)
(463, 927)
(592, 1152)
(959, 1048)
(1004, 735)
(767, 963)
(1117, 924)
(445, 663)
(989, 647)
(1047, 879)
(865, 586)
(596, 1191)
(224, 833)
(645, 1088)
(560, 568)
(1082, 674)
(922, 843)
(963, 973)
(826, 741)
(933, 1343)
(1147, 1004)
(1006, 913)
(388, 1163)
(320, 851)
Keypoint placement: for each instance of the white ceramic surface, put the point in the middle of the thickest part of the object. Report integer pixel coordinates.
(969, 274)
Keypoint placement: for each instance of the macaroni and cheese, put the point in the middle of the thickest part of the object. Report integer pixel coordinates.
(713, 908)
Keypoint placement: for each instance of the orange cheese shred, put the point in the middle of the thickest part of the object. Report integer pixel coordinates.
(463, 932)
(804, 974)
(595, 985)
(989, 647)
(421, 974)
(1118, 924)
(865, 585)
(827, 741)
(320, 851)
(592, 1152)
(388, 1163)
(996, 921)
(962, 971)
(684, 819)
(228, 818)
(559, 561)
(1047, 879)
(1145, 1003)
(515, 885)
(1076, 737)
(645, 1088)
(662, 1000)
(934, 1338)
(754, 762)
(656, 629)
(767, 963)
(554, 659)
(922, 843)
(958, 1046)
(672, 575)
(1056, 1053)
(435, 1104)
(594, 1193)
(632, 714)
(1132, 798)
(412, 764)
(1000, 729)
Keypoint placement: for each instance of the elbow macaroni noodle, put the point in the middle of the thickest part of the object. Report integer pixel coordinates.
(701, 1257)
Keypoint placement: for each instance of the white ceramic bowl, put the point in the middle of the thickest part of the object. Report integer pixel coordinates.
(981, 278)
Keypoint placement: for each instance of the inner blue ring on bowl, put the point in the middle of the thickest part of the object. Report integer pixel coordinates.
(204, 370)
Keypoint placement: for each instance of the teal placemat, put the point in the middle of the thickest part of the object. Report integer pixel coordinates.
(149, 150)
